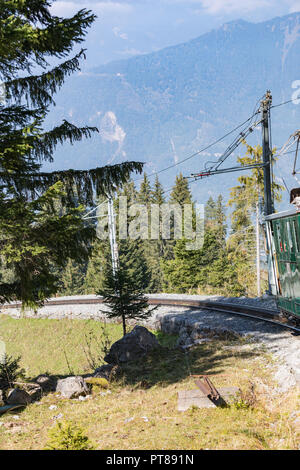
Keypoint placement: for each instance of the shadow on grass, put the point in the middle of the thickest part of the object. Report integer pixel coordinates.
(170, 365)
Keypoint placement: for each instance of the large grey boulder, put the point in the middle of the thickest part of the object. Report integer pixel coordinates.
(17, 396)
(72, 387)
(132, 346)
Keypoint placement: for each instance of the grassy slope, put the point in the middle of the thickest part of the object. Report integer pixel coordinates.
(148, 389)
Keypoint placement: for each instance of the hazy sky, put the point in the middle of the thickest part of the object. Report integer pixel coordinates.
(130, 27)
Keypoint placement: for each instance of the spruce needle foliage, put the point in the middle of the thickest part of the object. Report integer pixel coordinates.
(123, 290)
(10, 371)
(68, 436)
(41, 223)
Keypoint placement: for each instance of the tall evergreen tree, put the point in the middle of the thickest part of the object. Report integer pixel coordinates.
(181, 193)
(72, 278)
(152, 249)
(123, 291)
(243, 200)
(144, 194)
(157, 196)
(35, 236)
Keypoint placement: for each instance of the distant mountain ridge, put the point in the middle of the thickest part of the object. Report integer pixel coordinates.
(163, 106)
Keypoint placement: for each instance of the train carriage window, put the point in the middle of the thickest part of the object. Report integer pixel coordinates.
(296, 235)
(289, 236)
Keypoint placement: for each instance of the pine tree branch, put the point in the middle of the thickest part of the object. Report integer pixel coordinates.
(44, 144)
(38, 89)
(79, 184)
(30, 43)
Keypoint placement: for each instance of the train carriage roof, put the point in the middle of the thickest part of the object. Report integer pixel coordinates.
(283, 214)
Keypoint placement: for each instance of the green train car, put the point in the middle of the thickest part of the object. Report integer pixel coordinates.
(283, 233)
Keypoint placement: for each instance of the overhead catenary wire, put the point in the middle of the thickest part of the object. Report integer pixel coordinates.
(284, 102)
(250, 119)
(201, 150)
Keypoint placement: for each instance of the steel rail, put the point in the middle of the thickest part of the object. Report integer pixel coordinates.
(256, 313)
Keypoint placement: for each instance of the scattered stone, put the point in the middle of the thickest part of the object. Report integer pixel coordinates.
(127, 420)
(192, 334)
(107, 371)
(46, 382)
(33, 389)
(17, 396)
(59, 416)
(132, 346)
(72, 387)
(82, 398)
(1, 398)
(52, 407)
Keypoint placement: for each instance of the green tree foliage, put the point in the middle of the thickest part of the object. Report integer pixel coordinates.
(124, 290)
(68, 436)
(207, 270)
(181, 193)
(94, 274)
(37, 239)
(152, 249)
(144, 194)
(72, 278)
(157, 193)
(10, 371)
(243, 199)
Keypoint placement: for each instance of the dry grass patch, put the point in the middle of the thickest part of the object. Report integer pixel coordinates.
(140, 412)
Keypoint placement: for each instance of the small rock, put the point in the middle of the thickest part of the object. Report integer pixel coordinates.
(72, 387)
(33, 389)
(127, 420)
(52, 407)
(1, 398)
(18, 396)
(59, 416)
(46, 382)
(82, 398)
(106, 371)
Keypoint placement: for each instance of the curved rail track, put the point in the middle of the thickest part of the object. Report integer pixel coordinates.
(247, 311)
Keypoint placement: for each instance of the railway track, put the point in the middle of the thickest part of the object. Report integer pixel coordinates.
(246, 311)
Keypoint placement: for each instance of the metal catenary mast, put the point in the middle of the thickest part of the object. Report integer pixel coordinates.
(214, 169)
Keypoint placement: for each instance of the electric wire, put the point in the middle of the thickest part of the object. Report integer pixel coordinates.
(250, 119)
(201, 150)
(285, 102)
